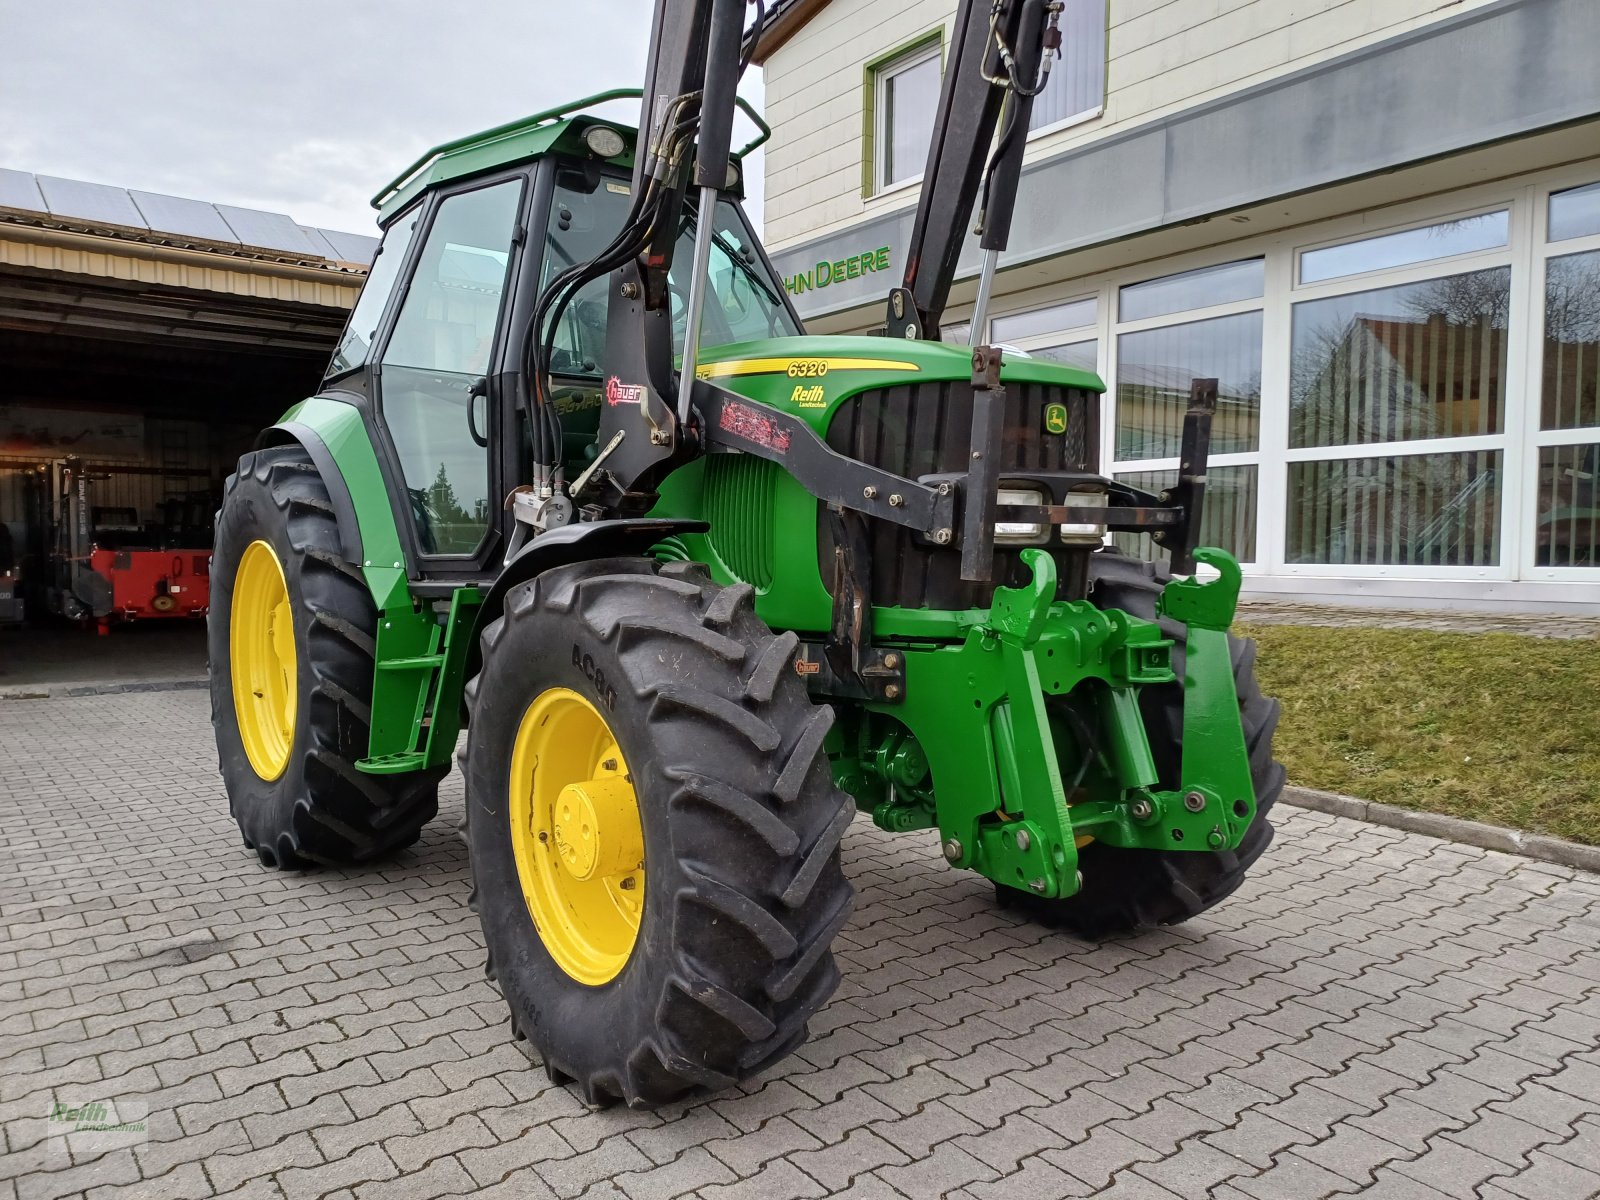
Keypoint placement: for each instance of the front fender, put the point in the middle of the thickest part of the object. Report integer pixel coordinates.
(582, 542)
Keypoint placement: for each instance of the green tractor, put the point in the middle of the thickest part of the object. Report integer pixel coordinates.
(701, 588)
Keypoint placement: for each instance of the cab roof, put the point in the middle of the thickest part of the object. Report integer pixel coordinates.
(559, 129)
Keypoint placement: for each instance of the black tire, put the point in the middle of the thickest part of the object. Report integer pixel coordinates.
(1126, 890)
(320, 810)
(741, 821)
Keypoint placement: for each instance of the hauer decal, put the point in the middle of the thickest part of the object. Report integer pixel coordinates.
(618, 392)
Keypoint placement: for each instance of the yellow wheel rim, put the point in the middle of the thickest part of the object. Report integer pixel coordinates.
(261, 655)
(576, 836)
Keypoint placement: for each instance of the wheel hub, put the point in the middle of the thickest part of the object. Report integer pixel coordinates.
(597, 828)
(576, 836)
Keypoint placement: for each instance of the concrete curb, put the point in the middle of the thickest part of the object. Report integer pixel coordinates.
(1453, 829)
(53, 691)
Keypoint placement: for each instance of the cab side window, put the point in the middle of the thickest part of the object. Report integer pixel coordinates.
(359, 331)
(436, 357)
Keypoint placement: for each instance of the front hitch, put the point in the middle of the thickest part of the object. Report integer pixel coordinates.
(1027, 776)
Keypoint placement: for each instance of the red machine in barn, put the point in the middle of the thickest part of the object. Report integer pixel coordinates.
(107, 566)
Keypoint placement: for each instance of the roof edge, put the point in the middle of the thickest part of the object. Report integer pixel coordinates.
(785, 20)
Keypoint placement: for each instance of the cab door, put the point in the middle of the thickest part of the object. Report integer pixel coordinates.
(439, 378)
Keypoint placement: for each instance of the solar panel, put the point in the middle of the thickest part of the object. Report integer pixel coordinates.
(96, 203)
(351, 247)
(175, 214)
(270, 231)
(319, 243)
(18, 190)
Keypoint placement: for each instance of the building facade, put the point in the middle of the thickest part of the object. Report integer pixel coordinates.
(1377, 224)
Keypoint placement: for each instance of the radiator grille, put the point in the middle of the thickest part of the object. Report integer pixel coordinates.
(925, 429)
(738, 499)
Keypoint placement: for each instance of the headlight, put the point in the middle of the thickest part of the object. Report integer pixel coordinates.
(1092, 529)
(604, 141)
(1020, 532)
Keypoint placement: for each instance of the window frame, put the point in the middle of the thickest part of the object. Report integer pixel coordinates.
(876, 74)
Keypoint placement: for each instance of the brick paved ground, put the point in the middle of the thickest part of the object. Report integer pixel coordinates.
(1376, 1011)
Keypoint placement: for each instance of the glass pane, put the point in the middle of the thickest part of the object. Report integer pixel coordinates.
(1410, 246)
(1571, 390)
(1568, 530)
(1227, 516)
(1074, 354)
(1056, 319)
(910, 96)
(356, 343)
(1423, 360)
(439, 349)
(954, 335)
(1156, 367)
(1430, 510)
(1077, 81)
(745, 301)
(1221, 284)
(1575, 212)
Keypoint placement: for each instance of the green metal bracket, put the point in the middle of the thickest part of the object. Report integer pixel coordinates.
(416, 713)
(1205, 605)
(1018, 614)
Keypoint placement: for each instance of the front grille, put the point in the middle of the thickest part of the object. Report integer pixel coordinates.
(926, 429)
(738, 500)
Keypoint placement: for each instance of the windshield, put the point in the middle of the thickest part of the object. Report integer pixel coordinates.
(744, 301)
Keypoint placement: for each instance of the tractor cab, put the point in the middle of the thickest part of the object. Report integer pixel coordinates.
(440, 342)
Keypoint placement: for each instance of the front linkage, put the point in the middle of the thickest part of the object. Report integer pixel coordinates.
(1026, 775)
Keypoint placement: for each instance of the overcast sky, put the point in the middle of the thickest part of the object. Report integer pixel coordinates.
(299, 106)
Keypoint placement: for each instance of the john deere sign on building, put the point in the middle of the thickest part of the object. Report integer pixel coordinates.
(1380, 230)
(869, 264)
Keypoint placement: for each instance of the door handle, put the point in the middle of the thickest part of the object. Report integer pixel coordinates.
(478, 391)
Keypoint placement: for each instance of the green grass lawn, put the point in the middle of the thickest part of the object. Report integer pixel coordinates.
(1496, 727)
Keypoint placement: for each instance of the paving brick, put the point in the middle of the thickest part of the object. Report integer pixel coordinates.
(836, 1165)
(1101, 1155)
(365, 1165)
(571, 1175)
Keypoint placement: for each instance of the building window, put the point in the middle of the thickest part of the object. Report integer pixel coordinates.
(1227, 514)
(1173, 330)
(1399, 364)
(1566, 532)
(1426, 510)
(1468, 235)
(1077, 85)
(1063, 333)
(1575, 212)
(1570, 396)
(904, 94)
(1015, 328)
(1193, 289)
(1155, 369)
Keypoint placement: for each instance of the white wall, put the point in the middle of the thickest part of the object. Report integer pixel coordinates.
(1162, 56)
